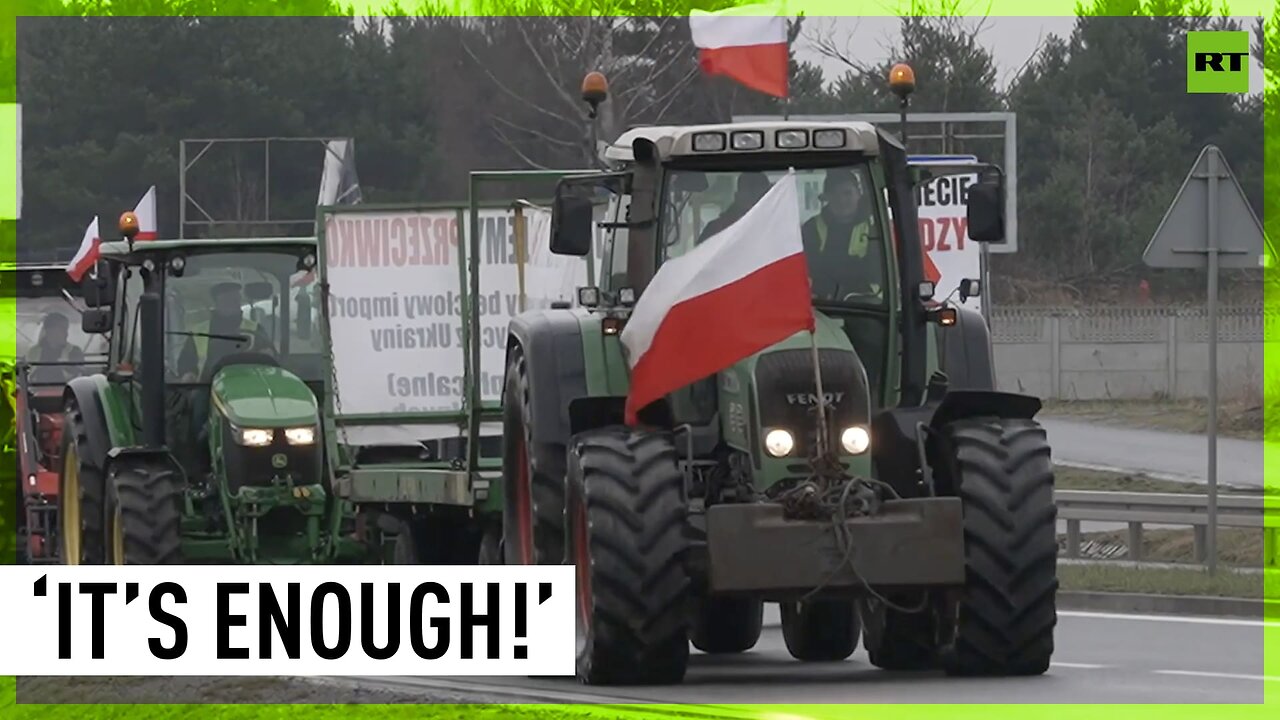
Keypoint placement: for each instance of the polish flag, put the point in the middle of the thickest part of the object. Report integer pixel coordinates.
(750, 49)
(742, 290)
(87, 255)
(146, 212)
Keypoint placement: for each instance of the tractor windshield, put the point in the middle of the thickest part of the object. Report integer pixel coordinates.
(839, 213)
(240, 302)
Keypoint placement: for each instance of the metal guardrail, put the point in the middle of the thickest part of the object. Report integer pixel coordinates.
(1138, 509)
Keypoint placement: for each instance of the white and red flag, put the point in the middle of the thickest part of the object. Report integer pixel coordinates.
(745, 44)
(87, 255)
(740, 291)
(146, 212)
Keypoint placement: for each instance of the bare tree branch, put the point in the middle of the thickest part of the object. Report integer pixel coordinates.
(502, 86)
(554, 81)
(515, 148)
(536, 133)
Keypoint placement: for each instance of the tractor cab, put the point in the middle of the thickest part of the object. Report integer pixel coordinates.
(213, 352)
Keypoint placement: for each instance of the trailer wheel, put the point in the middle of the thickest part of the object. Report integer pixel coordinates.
(820, 631)
(627, 513)
(895, 640)
(725, 625)
(81, 496)
(144, 520)
(1003, 624)
(532, 480)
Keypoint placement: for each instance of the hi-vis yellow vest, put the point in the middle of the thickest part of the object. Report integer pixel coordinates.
(247, 326)
(857, 238)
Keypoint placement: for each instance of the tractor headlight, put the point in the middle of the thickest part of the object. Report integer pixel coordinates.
(300, 435)
(855, 440)
(256, 437)
(779, 443)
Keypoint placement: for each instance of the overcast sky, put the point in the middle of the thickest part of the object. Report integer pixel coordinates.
(1011, 40)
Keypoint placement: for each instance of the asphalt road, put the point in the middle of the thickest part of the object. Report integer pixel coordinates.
(1100, 658)
(1159, 454)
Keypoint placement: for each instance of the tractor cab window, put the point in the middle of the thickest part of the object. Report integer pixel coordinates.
(839, 211)
(236, 303)
(47, 327)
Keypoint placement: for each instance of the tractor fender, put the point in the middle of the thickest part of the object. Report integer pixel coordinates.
(964, 351)
(152, 460)
(551, 341)
(964, 404)
(896, 435)
(84, 391)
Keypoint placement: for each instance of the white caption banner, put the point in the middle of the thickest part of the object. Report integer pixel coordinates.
(301, 620)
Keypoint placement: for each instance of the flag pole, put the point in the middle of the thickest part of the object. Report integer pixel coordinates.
(822, 396)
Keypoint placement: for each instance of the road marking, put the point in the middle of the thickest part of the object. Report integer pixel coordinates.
(1241, 622)
(1224, 676)
(1077, 666)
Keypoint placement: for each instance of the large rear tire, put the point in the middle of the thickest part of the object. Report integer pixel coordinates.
(820, 631)
(1004, 622)
(145, 517)
(81, 496)
(725, 625)
(532, 479)
(627, 513)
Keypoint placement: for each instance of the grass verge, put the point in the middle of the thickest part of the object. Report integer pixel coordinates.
(1236, 419)
(1169, 581)
(1070, 478)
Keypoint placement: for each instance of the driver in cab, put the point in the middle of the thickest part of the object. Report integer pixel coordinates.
(840, 242)
(225, 319)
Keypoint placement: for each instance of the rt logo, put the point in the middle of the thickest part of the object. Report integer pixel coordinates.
(1218, 62)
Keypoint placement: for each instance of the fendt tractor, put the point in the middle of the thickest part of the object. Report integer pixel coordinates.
(206, 439)
(49, 351)
(926, 528)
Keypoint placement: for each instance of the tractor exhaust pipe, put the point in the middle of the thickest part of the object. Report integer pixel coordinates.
(152, 362)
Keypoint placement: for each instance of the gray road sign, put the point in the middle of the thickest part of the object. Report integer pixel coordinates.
(1210, 225)
(1193, 225)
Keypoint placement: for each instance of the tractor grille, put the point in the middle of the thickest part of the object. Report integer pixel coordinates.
(785, 386)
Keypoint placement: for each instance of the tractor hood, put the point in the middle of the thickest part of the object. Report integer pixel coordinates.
(259, 396)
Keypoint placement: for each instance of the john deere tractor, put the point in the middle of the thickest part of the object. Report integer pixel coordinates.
(202, 441)
(926, 529)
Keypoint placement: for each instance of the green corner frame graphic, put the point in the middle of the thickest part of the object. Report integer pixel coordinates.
(9, 707)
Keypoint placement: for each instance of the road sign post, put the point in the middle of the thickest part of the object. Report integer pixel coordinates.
(1209, 225)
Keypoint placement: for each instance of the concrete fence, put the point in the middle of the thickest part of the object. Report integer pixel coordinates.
(1117, 353)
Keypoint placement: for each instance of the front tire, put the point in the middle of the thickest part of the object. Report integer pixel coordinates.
(144, 522)
(81, 496)
(627, 516)
(1004, 622)
(532, 479)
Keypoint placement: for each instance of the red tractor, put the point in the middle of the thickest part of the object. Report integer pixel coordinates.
(51, 349)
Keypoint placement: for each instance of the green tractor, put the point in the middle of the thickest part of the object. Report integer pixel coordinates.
(202, 442)
(926, 531)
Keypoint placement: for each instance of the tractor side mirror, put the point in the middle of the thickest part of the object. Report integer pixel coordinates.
(96, 321)
(572, 222)
(970, 288)
(986, 211)
(98, 288)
